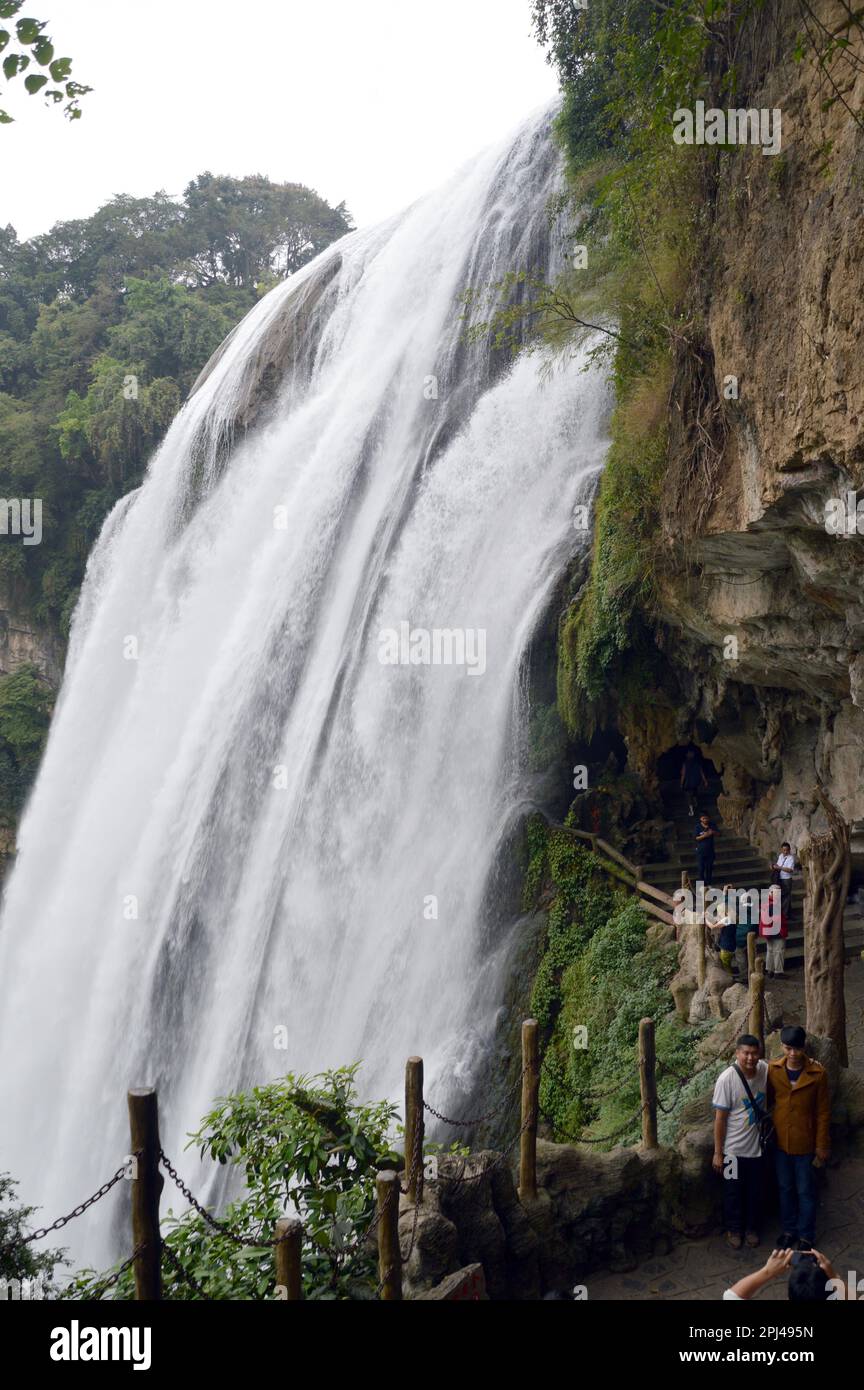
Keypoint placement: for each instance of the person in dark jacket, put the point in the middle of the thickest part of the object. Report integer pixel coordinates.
(705, 833)
(693, 779)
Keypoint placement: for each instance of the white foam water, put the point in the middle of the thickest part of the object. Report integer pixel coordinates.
(244, 815)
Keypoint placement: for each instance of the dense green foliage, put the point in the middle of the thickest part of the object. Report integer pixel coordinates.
(599, 973)
(302, 1144)
(105, 322)
(26, 701)
(22, 1261)
(634, 204)
(27, 48)
(605, 636)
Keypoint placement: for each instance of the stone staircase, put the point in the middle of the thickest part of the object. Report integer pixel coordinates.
(736, 862)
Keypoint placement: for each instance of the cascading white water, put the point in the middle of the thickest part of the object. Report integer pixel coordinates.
(280, 805)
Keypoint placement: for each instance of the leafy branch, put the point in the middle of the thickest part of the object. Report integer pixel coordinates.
(29, 48)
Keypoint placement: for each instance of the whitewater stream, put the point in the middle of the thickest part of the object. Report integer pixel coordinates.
(273, 793)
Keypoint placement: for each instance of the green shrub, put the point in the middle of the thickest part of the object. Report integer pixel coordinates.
(26, 701)
(304, 1142)
(600, 974)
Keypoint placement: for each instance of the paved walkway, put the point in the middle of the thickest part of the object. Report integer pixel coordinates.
(701, 1269)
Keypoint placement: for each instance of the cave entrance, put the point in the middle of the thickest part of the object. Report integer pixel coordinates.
(669, 766)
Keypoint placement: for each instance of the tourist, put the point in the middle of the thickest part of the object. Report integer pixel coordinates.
(705, 835)
(693, 779)
(740, 1095)
(774, 929)
(812, 1278)
(801, 1112)
(785, 867)
(726, 928)
(747, 911)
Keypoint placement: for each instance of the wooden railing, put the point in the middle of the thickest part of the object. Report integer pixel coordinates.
(655, 902)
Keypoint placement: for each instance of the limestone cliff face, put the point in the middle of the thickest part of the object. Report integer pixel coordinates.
(782, 296)
(25, 642)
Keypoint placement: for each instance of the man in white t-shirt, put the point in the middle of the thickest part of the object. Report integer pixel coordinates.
(785, 866)
(738, 1154)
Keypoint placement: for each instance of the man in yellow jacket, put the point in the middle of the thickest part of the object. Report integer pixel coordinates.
(801, 1110)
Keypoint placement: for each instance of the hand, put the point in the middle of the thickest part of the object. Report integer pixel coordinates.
(823, 1155)
(778, 1262)
(717, 1161)
(824, 1264)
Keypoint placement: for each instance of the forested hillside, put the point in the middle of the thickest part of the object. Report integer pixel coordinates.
(105, 323)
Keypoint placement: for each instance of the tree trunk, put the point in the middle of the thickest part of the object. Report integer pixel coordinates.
(827, 867)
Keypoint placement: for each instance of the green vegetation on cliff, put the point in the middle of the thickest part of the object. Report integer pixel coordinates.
(642, 207)
(600, 973)
(26, 702)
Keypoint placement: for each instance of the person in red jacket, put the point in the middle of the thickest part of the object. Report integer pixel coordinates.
(774, 929)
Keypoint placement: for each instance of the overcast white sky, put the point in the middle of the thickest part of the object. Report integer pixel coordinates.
(370, 101)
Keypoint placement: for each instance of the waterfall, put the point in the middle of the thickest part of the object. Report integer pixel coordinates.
(246, 818)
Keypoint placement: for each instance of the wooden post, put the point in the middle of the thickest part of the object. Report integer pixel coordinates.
(530, 1088)
(700, 953)
(389, 1254)
(680, 914)
(648, 1083)
(751, 953)
(146, 1187)
(289, 1234)
(414, 1129)
(757, 1012)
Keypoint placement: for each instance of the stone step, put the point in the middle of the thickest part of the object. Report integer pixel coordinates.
(688, 849)
(742, 876)
(729, 861)
(794, 954)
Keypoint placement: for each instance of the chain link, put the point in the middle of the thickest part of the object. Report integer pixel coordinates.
(77, 1211)
(479, 1119)
(219, 1226)
(184, 1273)
(459, 1179)
(616, 1134)
(613, 1090)
(105, 1284)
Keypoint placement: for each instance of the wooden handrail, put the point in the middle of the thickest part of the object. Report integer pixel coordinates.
(631, 876)
(652, 892)
(654, 911)
(613, 853)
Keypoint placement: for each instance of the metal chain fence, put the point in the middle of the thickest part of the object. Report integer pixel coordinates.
(76, 1211)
